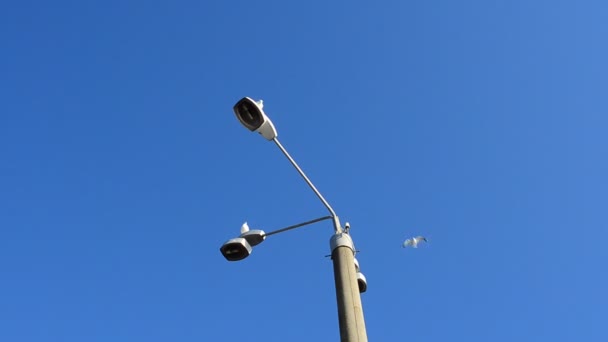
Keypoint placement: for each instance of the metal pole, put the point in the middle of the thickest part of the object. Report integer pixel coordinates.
(336, 221)
(350, 309)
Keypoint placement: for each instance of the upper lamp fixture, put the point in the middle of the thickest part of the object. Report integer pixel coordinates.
(252, 116)
(241, 247)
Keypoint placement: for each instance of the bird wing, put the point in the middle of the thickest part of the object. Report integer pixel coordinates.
(407, 243)
(421, 238)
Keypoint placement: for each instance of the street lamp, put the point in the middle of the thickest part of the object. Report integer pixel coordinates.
(239, 248)
(251, 115)
(349, 280)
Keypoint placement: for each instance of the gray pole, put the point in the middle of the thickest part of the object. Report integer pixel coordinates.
(350, 310)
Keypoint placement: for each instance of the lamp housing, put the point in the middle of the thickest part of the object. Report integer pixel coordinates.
(251, 115)
(362, 282)
(254, 237)
(236, 249)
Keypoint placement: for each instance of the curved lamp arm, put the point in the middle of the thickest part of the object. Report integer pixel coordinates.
(336, 221)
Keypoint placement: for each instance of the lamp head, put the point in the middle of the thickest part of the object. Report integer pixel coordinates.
(236, 249)
(362, 282)
(252, 116)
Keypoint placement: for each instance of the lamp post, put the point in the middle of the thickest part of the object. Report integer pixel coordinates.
(349, 281)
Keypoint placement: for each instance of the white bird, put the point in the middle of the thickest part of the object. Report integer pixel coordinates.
(413, 242)
(244, 228)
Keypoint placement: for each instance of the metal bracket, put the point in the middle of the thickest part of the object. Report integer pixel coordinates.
(341, 240)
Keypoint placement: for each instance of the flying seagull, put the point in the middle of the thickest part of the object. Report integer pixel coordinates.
(413, 242)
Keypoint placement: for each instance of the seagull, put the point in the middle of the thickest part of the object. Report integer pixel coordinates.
(413, 242)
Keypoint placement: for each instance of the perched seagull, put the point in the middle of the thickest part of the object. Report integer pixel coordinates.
(413, 242)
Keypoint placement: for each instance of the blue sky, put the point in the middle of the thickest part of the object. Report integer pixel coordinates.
(479, 124)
